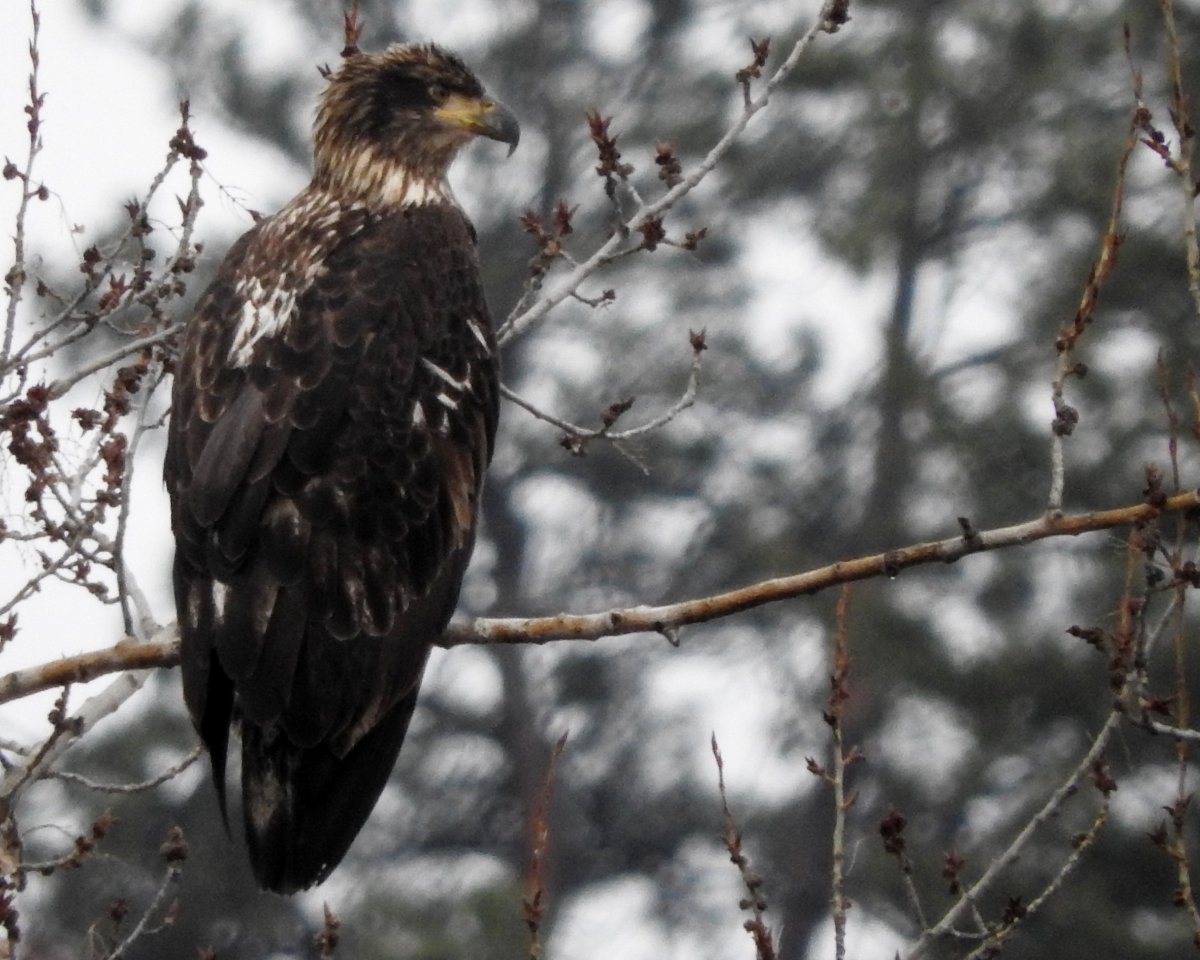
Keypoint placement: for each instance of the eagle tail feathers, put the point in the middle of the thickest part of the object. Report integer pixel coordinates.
(303, 806)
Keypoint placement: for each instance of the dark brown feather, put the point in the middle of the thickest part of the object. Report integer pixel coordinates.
(324, 500)
(335, 407)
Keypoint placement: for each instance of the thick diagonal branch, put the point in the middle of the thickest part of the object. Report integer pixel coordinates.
(666, 619)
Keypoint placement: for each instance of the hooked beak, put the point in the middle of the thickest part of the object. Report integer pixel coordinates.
(483, 118)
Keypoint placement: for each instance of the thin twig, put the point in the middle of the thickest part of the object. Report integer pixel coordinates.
(95, 709)
(1048, 810)
(1066, 416)
(174, 869)
(170, 773)
(755, 901)
(59, 387)
(838, 695)
(579, 436)
(135, 610)
(331, 932)
(1182, 162)
(533, 904)
(1082, 843)
(518, 323)
(16, 276)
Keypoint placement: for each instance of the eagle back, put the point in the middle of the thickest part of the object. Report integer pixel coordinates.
(335, 406)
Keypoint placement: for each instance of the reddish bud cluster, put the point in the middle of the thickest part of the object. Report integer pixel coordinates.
(327, 940)
(90, 261)
(1090, 635)
(549, 239)
(1154, 494)
(614, 412)
(84, 846)
(952, 868)
(33, 442)
(126, 382)
(761, 50)
(1178, 811)
(573, 444)
(1153, 138)
(1101, 776)
(610, 166)
(112, 453)
(653, 232)
(1014, 910)
(33, 109)
(11, 171)
(352, 27)
(111, 298)
(837, 15)
(756, 901)
(182, 142)
(891, 828)
(561, 226)
(1066, 417)
(669, 169)
(174, 848)
(140, 225)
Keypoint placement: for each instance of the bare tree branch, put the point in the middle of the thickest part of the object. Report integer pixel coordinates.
(576, 437)
(826, 22)
(661, 618)
(15, 278)
(1051, 807)
(163, 649)
(69, 730)
(157, 907)
(170, 773)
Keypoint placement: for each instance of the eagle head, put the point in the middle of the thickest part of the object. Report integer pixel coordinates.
(389, 124)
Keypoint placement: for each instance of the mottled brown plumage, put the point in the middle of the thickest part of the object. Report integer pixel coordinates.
(335, 407)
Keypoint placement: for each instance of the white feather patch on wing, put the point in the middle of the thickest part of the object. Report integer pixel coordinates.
(220, 593)
(302, 235)
(264, 314)
(477, 330)
(445, 377)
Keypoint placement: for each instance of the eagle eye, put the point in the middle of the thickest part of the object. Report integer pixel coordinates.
(437, 92)
(407, 92)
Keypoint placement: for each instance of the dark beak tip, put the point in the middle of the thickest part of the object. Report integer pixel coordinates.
(503, 126)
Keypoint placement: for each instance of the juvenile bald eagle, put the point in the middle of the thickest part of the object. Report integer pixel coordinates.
(335, 406)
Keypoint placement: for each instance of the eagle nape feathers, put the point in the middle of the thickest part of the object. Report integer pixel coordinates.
(334, 409)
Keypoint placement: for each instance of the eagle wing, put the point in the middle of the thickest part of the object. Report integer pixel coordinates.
(332, 422)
